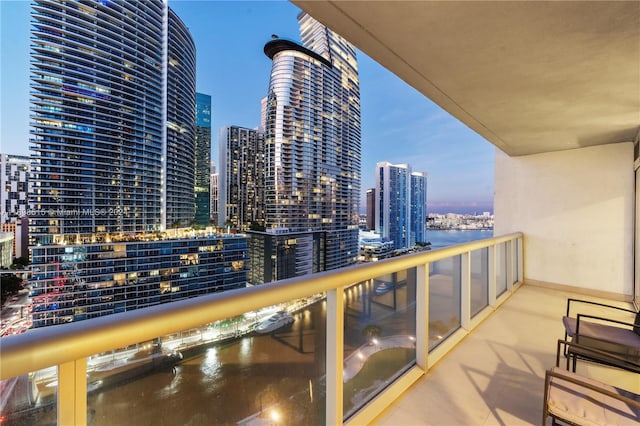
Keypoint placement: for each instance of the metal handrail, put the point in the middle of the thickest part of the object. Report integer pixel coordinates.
(55, 345)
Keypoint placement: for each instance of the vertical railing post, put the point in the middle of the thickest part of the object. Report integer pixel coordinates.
(72, 392)
(465, 290)
(422, 316)
(492, 275)
(520, 254)
(509, 264)
(335, 356)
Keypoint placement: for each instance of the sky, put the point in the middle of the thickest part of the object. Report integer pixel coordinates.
(399, 125)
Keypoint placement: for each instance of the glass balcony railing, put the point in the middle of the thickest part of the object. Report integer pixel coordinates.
(329, 348)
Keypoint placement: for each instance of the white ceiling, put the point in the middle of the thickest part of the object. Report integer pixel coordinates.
(529, 76)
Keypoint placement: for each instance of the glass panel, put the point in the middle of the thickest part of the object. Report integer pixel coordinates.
(501, 268)
(262, 366)
(444, 298)
(479, 280)
(379, 338)
(30, 399)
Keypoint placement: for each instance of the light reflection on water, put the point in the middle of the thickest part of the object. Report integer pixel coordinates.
(245, 351)
(210, 366)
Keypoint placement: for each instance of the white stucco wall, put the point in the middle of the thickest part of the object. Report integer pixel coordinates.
(575, 209)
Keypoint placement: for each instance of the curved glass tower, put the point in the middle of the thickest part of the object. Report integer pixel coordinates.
(102, 102)
(181, 132)
(312, 138)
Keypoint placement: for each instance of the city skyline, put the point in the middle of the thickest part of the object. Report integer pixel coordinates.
(459, 163)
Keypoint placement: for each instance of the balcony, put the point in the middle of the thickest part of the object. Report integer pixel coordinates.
(468, 343)
(410, 311)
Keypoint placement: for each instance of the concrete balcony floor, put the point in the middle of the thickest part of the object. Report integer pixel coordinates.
(495, 376)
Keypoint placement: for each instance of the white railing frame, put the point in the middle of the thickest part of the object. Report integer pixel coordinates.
(68, 346)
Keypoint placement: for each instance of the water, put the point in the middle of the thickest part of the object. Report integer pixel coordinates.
(446, 238)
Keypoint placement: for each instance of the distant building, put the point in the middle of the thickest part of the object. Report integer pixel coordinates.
(373, 247)
(202, 188)
(6, 249)
(76, 282)
(16, 186)
(401, 198)
(20, 231)
(371, 209)
(214, 196)
(242, 178)
(418, 211)
(312, 138)
(278, 254)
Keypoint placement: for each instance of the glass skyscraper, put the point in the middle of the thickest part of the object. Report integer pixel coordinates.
(401, 204)
(203, 159)
(180, 146)
(418, 213)
(113, 89)
(312, 136)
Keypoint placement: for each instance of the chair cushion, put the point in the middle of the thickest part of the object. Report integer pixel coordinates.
(577, 404)
(620, 335)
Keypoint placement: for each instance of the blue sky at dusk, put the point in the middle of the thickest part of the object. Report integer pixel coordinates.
(399, 125)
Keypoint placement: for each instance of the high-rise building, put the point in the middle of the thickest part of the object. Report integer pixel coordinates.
(113, 92)
(180, 146)
(371, 209)
(418, 213)
(312, 136)
(241, 178)
(393, 203)
(214, 194)
(114, 117)
(203, 159)
(16, 185)
(401, 204)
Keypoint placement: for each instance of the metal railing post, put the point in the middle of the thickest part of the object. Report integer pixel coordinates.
(465, 291)
(492, 275)
(335, 356)
(422, 316)
(72, 392)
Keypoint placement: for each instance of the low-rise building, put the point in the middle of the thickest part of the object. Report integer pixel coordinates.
(72, 282)
(6, 249)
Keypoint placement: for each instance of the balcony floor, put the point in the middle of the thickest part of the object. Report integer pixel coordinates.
(495, 376)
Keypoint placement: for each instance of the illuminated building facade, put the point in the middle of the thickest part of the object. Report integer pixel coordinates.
(202, 190)
(82, 281)
(312, 136)
(113, 92)
(241, 178)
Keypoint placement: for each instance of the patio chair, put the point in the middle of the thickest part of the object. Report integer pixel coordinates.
(599, 328)
(571, 322)
(579, 400)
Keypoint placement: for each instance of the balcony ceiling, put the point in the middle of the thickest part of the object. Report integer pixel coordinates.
(530, 77)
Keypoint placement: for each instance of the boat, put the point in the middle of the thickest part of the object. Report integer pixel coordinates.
(274, 322)
(383, 288)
